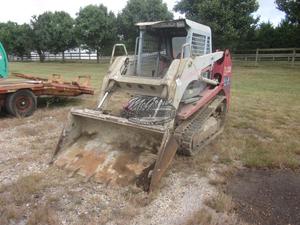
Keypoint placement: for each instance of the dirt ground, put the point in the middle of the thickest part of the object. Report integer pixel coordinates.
(267, 197)
(34, 192)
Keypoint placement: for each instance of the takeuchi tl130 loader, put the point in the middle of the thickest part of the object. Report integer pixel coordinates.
(171, 96)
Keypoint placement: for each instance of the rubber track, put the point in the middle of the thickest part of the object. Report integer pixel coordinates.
(184, 132)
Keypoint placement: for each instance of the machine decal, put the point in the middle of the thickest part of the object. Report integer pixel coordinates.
(227, 70)
(226, 81)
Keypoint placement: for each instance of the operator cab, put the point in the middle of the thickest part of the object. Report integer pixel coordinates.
(159, 43)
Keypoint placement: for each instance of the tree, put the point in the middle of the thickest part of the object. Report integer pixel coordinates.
(96, 28)
(23, 43)
(63, 37)
(288, 31)
(291, 8)
(230, 20)
(140, 11)
(17, 39)
(7, 37)
(288, 35)
(266, 36)
(53, 32)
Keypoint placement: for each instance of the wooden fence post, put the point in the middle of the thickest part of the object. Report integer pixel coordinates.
(294, 56)
(256, 57)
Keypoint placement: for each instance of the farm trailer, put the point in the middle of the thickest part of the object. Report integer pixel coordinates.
(19, 96)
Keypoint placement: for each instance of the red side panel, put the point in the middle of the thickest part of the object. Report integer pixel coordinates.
(222, 70)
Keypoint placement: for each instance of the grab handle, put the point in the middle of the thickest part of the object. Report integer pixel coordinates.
(113, 51)
(183, 48)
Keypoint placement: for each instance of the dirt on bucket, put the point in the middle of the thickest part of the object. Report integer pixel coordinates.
(267, 197)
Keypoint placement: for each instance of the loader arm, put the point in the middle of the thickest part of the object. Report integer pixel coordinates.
(183, 71)
(192, 71)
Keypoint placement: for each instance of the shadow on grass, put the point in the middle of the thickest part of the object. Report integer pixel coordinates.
(55, 102)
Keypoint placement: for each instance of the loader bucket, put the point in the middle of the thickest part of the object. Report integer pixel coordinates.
(112, 150)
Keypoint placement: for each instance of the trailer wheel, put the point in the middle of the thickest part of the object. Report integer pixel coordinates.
(21, 103)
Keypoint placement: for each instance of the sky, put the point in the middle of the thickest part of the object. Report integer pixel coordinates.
(21, 11)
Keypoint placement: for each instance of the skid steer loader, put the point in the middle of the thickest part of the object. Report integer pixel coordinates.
(171, 96)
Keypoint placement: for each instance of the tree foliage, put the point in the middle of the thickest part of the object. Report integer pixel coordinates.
(291, 9)
(140, 11)
(288, 31)
(285, 35)
(7, 36)
(17, 39)
(23, 43)
(230, 20)
(53, 32)
(96, 28)
(62, 37)
(266, 36)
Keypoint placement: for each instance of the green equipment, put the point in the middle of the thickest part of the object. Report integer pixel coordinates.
(3, 62)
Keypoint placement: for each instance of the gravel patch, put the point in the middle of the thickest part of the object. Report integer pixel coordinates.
(26, 148)
(173, 205)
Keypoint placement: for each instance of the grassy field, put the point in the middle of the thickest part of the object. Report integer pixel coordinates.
(263, 128)
(264, 123)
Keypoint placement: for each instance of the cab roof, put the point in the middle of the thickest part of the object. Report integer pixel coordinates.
(180, 23)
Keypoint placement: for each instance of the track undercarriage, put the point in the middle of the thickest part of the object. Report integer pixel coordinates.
(198, 131)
